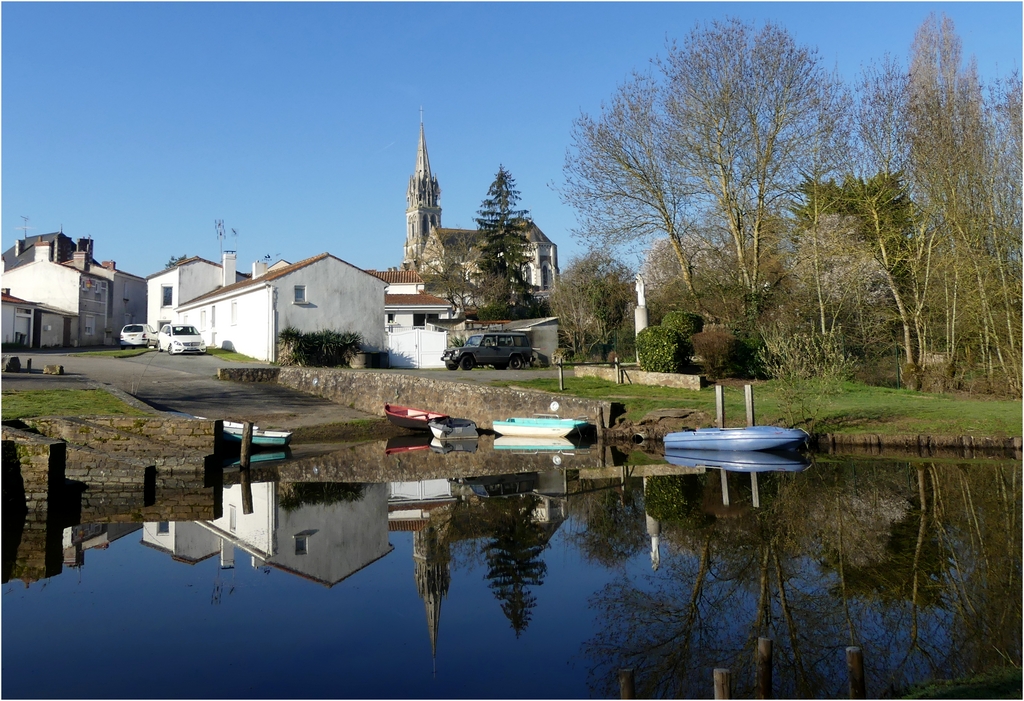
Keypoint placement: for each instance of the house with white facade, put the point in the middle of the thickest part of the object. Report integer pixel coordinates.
(186, 280)
(319, 293)
(62, 275)
(17, 319)
(406, 305)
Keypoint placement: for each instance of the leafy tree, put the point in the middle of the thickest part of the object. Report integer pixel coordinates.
(174, 260)
(592, 301)
(503, 251)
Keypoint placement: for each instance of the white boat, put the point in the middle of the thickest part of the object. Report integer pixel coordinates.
(533, 444)
(233, 432)
(539, 426)
(448, 428)
(749, 438)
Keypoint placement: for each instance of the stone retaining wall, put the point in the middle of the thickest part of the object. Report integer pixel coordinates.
(40, 462)
(636, 376)
(370, 391)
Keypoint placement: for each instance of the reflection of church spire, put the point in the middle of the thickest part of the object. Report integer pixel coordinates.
(432, 578)
(653, 530)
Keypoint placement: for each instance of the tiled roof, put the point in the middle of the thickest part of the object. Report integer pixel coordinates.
(270, 275)
(398, 277)
(412, 300)
(15, 300)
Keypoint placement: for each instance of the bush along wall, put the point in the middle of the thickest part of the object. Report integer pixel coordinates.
(318, 348)
(662, 349)
(686, 323)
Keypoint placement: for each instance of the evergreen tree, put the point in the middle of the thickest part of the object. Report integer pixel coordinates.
(514, 562)
(503, 251)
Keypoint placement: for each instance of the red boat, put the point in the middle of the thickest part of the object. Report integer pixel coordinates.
(408, 417)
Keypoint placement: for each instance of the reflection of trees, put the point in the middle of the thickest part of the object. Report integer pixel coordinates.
(613, 523)
(918, 565)
(513, 557)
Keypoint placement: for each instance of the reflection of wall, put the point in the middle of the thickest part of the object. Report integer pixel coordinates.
(184, 540)
(253, 532)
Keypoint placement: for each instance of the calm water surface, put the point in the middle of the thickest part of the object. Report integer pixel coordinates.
(534, 585)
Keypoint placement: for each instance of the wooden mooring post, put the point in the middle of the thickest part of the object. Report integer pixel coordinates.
(723, 684)
(618, 372)
(626, 688)
(855, 668)
(748, 396)
(763, 687)
(244, 460)
(720, 406)
(561, 377)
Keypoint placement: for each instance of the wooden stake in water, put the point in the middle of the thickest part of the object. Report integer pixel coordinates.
(855, 668)
(246, 449)
(626, 689)
(725, 488)
(723, 684)
(763, 690)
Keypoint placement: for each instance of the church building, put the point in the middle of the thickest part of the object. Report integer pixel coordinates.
(429, 245)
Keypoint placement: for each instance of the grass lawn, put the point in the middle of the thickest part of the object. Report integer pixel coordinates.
(64, 402)
(857, 409)
(118, 353)
(996, 684)
(231, 355)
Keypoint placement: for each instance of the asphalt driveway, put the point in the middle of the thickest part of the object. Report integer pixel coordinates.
(188, 383)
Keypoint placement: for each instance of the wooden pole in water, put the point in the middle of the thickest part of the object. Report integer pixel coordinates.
(243, 478)
(720, 406)
(755, 495)
(748, 395)
(246, 449)
(723, 684)
(855, 668)
(626, 689)
(763, 690)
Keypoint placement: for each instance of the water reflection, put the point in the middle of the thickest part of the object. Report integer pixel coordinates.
(918, 563)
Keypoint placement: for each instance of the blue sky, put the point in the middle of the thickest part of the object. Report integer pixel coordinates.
(139, 124)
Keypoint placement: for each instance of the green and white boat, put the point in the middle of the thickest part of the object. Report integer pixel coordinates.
(233, 433)
(540, 426)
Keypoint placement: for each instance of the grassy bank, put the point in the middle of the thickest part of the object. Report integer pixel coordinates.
(856, 409)
(64, 402)
(995, 684)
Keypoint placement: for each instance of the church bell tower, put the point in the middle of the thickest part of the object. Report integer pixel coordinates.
(424, 211)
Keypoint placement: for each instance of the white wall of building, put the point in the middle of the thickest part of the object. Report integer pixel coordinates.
(187, 282)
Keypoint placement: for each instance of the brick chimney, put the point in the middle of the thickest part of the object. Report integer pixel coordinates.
(109, 264)
(228, 264)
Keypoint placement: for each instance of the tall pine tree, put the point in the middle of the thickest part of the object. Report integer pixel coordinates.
(504, 249)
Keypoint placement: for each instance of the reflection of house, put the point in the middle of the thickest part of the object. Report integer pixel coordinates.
(92, 535)
(184, 541)
(428, 245)
(410, 503)
(61, 274)
(319, 293)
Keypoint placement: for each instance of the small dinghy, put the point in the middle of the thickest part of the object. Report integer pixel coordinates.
(260, 438)
(749, 438)
(408, 417)
(448, 428)
(539, 426)
(739, 460)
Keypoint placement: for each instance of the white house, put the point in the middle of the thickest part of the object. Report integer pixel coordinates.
(319, 293)
(188, 279)
(17, 319)
(51, 270)
(406, 305)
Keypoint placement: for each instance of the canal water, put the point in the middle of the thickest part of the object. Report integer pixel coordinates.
(539, 582)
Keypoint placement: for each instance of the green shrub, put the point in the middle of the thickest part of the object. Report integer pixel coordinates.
(323, 348)
(686, 323)
(662, 349)
(494, 312)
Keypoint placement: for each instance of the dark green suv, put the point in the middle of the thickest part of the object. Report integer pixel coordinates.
(499, 349)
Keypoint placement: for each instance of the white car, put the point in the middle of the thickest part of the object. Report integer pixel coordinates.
(138, 335)
(180, 338)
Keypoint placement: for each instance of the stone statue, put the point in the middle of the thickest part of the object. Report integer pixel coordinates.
(641, 298)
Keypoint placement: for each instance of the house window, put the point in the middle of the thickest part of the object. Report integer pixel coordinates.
(163, 527)
(202, 320)
(213, 317)
(300, 294)
(545, 277)
(232, 518)
(301, 545)
(391, 318)
(90, 325)
(167, 292)
(234, 312)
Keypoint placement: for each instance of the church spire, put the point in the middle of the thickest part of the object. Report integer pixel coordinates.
(424, 211)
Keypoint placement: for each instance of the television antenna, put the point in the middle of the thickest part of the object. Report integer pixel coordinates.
(25, 227)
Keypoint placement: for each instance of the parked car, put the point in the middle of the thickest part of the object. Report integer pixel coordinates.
(500, 349)
(138, 335)
(180, 338)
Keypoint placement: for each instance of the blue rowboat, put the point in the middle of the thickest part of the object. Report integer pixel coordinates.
(749, 438)
(540, 427)
(739, 460)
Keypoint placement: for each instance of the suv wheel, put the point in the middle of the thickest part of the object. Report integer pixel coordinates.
(467, 362)
(451, 365)
(515, 362)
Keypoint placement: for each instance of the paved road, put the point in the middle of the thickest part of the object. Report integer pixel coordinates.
(188, 383)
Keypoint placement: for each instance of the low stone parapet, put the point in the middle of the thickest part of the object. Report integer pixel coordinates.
(636, 376)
